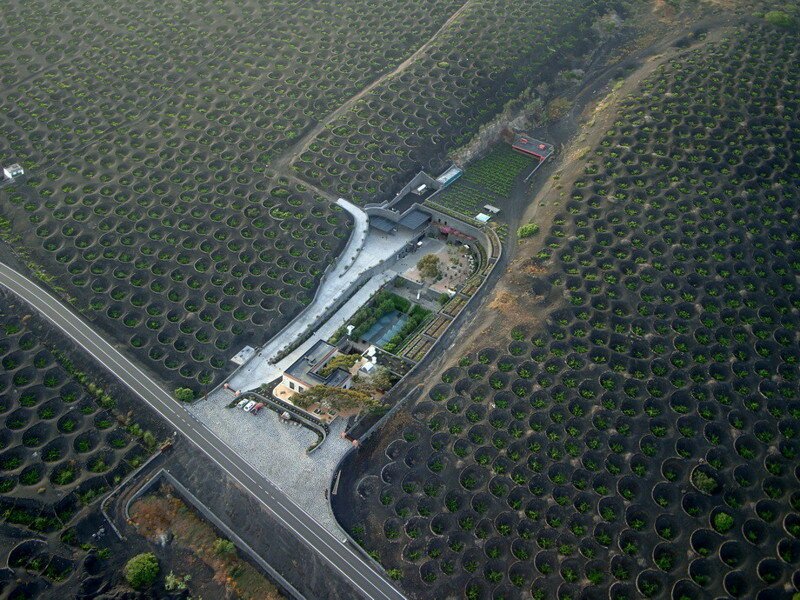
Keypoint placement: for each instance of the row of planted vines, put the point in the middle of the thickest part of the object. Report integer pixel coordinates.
(147, 134)
(645, 441)
(487, 56)
(488, 180)
(61, 432)
(63, 444)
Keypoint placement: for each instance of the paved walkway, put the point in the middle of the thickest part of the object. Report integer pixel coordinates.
(275, 449)
(333, 283)
(366, 248)
(278, 450)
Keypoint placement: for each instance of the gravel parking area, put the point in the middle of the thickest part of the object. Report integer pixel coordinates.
(278, 451)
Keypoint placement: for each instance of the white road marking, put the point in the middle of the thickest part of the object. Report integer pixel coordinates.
(139, 381)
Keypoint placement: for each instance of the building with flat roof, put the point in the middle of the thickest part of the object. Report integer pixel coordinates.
(306, 371)
(532, 147)
(13, 171)
(413, 219)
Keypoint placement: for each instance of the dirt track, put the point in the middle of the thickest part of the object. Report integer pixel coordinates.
(281, 162)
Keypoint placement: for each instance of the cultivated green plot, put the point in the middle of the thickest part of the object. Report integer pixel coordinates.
(498, 170)
(488, 180)
(464, 199)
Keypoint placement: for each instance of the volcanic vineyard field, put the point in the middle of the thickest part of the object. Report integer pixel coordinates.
(184, 281)
(63, 443)
(59, 435)
(147, 135)
(492, 52)
(251, 76)
(645, 442)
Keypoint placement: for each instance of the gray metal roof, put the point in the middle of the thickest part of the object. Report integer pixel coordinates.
(338, 378)
(415, 219)
(382, 224)
(302, 369)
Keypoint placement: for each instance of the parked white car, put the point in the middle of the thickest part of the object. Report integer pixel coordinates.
(249, 406)
(241, 403)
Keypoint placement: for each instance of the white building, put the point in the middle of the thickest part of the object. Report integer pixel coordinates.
(13, 171)
(306, 371)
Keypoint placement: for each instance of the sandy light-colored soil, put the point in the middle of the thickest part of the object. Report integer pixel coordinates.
(513, 303)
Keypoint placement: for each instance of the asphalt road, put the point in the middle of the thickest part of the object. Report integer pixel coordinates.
(349, 563)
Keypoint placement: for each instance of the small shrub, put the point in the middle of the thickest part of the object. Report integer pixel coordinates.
(184, 394)
(723, 522)
(526, 231)
(778, 18)
(705, 483)
(141, 571)
(223, 547)
(173, 583)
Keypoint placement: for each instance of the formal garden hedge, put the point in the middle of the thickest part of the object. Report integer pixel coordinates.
(644, 443)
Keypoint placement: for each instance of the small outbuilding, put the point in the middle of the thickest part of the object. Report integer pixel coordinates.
(532, 147)
(449, 176)
(13, 171)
